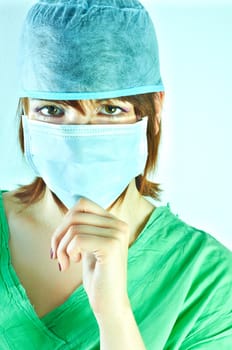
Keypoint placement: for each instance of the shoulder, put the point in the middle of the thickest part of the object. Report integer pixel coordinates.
(199, 269)
(170, 229)
(10, 207)
(182, 247)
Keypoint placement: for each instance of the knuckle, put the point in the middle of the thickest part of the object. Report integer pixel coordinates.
(73, 230)
(75, 257)
(73, 248)
(82, 203)
(78, 240)
(70, 250)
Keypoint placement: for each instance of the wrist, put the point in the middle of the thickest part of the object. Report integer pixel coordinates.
(114, 313)
(115, 320)
(120, 332)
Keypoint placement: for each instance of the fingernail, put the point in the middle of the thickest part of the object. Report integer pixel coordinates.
(51, 253)
(60, 268)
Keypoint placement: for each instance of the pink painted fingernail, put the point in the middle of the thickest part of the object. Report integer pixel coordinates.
(51, 253)
(60, 268)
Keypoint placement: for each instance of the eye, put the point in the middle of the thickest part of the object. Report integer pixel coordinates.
(111, 110)
(51, 111)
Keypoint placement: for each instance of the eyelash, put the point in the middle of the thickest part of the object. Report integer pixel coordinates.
(39, 110)
(122, 110)
(61, 114)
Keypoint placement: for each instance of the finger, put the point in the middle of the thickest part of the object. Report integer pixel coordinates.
(63, 253)
(73, 252)
(100, 247)
(76, 258)
(87, 206)
(78, 218)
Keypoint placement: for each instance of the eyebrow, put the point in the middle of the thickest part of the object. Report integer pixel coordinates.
(106, 100)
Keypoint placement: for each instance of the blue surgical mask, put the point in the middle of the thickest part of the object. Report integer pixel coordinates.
(92, 161)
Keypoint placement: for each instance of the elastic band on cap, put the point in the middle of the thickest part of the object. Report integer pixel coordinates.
(47, 95)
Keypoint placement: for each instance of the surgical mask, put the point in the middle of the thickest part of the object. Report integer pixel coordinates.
(92, 161)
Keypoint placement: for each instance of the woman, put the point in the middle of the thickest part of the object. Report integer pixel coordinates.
(90, 105)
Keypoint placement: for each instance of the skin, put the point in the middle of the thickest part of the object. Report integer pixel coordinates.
(90, 244)
(113, 111)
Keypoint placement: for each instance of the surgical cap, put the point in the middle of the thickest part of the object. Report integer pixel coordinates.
(88, 49)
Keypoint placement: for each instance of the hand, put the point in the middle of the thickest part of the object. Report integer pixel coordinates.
(91, 234)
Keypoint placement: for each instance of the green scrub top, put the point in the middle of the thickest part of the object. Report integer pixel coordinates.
(179, 284)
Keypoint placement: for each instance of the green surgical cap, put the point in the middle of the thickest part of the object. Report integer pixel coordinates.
(88, 49)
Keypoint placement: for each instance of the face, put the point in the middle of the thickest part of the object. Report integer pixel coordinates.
(113, 111)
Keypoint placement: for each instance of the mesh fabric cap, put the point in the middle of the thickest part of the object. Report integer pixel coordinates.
(88, 49)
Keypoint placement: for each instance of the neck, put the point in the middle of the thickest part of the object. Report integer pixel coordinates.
(134, 209)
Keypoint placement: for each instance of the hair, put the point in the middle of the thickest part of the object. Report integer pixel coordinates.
(144, 105)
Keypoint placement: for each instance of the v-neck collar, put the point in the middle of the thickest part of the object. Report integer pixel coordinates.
(19, 294)
(78, 296)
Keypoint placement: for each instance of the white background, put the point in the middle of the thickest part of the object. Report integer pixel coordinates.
(195, 39)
